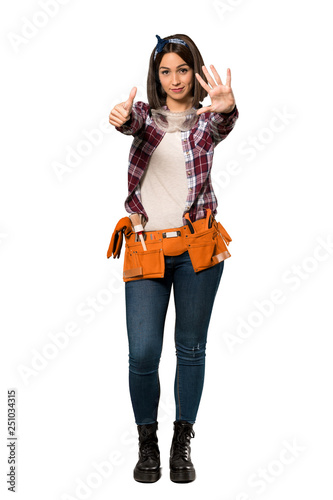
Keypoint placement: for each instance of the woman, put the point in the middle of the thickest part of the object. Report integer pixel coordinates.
(169, 187)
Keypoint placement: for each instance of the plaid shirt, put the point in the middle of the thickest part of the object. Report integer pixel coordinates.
(198, 146)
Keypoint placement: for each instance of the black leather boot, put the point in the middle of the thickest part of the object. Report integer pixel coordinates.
(148, 469)
(181, 467)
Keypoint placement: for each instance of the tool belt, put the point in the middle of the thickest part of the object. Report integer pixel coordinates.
(205, 240)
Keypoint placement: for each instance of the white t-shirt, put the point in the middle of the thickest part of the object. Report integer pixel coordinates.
(164, 184)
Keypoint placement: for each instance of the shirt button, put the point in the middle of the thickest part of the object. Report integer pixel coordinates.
(190, 190)
(188, 173)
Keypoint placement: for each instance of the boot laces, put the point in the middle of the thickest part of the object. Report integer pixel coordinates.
(148, 449)
(148, 445)
(182, 443)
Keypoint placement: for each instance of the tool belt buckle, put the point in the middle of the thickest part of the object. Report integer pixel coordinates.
(171, 234)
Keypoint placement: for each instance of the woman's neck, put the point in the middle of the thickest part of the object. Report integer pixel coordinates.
(179, 106)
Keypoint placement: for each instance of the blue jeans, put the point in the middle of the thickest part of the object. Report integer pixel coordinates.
(146, 307)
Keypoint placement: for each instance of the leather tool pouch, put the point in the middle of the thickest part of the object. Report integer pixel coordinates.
(207, 246)
(205, 240)
(139, 263)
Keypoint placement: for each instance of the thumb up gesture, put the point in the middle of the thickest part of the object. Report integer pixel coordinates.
(122, 112)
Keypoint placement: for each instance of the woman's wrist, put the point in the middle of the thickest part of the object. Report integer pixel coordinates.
(230, 111)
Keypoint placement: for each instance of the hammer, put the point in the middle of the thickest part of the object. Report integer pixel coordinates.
(138, 228)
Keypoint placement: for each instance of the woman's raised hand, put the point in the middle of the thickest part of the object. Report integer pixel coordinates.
(122, 112)
(222, 97)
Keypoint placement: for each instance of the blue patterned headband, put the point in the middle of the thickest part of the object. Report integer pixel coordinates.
(160, 44)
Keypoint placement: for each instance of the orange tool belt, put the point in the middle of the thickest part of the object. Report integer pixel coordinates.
(205, 240)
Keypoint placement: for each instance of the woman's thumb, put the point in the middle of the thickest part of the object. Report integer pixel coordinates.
(129, 103)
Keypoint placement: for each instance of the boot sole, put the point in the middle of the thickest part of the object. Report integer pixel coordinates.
(185, 476)
(147, 477)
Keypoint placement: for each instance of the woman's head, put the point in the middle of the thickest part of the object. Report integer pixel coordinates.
(159, 77)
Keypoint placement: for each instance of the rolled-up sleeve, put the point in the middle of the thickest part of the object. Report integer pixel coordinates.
(221, 124)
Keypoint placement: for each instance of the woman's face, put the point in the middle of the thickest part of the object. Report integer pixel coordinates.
(176, 78)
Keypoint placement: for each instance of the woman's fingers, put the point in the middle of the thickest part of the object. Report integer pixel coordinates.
(119, 111)
(118, 115)
(228, 82)
(202, 82)
(203, 110)
(216, 75)
(116, 123)
(209, 78)
(113, 120)
(117, 120)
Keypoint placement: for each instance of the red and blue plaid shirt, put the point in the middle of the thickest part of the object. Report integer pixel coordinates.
(198, 146)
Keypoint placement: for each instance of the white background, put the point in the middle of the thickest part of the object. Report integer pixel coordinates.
(268, 384)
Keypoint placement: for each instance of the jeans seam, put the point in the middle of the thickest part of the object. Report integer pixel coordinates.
(179, 406)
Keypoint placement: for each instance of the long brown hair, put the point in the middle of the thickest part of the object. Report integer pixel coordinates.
(191, 55)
